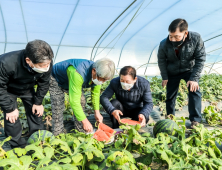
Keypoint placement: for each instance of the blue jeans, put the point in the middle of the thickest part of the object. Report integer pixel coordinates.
(194, 105)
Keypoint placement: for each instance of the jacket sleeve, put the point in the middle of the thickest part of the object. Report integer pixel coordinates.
(105, 97)
(75, 92)
(200, 58)
(147, 102)
(95, 96)
(5, 103)
(42, 86)
(162, 63)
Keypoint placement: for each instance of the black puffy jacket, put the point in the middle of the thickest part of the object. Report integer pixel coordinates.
(192, 56)
(18, 78)
(138, 96)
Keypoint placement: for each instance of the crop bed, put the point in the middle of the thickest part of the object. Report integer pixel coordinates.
(135, 148)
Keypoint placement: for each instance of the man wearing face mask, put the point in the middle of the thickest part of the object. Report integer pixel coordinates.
(71, 76)
(181, 56)
(20, 71)
(133, 97)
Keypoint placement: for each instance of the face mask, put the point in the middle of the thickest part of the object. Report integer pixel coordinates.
(177, 43)
(126, 86)
(97, 82)
(40, 70)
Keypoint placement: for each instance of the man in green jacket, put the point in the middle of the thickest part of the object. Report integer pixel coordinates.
(72, 76)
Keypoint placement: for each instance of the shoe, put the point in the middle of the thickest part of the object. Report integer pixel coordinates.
(194, 124)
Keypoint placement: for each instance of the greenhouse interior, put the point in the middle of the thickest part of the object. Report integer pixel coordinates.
(110, 84)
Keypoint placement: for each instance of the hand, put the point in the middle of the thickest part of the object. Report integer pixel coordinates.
(116, 114)
(98, 116)
(164, 83)
(38, 110)
(142, 119)
(193, 86)
(12, 116)
(87, 126)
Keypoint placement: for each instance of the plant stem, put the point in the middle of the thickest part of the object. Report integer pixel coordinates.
(33, 164)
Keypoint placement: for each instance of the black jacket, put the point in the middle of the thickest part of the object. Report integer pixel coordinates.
(192, 56)
(18, 78)
(138, 96)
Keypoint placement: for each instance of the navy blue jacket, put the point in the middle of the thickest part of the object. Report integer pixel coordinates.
(138, 96)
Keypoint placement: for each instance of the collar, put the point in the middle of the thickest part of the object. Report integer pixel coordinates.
(24, 64)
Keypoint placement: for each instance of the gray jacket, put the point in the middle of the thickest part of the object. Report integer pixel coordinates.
(191, 57)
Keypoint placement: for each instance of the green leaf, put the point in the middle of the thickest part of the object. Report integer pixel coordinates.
(5, 140)
(89, 155)
(93, 166)
(217, 151)
(38, 151)
(103, 165)
(69, 167)
(20, 151)
(53, 166)
(49, 152)
(13, 162)
(146, 134)
(10, 154)
(26, 161)
(119, 143)
(165, 157)
(211, 152)
(77, 158)
(197, 141)
(121, 160)
(65, 160)
(63, 145)
(44, 161)
(130, 156)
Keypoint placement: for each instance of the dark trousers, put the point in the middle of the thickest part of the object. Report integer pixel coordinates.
(15, 129)
(194, 105)
(132, 113)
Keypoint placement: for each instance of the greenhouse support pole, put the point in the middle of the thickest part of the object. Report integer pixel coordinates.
(66, 29)
(150, 57)
(110, 26)
(143, 28)
(112, 30)
(24, 20)
(4, 27)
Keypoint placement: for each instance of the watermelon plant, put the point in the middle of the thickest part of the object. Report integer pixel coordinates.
(210, 86)
(131, 150)
(212, 116)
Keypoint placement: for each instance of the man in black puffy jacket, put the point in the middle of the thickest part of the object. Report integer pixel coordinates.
(181, 56)
(133, 97)
(20, 71)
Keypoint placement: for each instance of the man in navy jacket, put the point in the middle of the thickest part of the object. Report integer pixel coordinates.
(133, 97)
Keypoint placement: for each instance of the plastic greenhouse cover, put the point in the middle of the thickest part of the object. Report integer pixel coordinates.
(72, 28)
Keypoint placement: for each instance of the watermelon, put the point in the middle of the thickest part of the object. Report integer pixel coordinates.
(104, 133)
(100, 135)
(40, 134)
(106, 128)
(167, 126)
(109, 134)
(129, 122)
